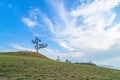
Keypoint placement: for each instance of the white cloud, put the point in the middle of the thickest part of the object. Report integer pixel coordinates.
(97, 29)
(19, 47)
(95, 7)
(53, 54)
(33, 19)
(89, 25)
(29, 22)
(48, 22)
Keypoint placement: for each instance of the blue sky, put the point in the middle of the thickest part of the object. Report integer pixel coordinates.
(78, 30)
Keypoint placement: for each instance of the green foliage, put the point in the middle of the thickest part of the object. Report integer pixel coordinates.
(87, 63)
(37, 45)
(24, 53)
(21, 67)
(67, 61)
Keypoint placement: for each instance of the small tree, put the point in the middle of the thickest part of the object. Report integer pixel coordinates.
(68, 61)
(58, 58)
(37, 45)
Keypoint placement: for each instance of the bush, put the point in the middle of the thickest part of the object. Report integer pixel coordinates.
(87, 63)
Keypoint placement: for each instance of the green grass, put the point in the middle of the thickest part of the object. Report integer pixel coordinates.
(22, 66)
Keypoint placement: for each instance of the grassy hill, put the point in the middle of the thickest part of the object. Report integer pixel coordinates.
(33, 66)
(24, 53)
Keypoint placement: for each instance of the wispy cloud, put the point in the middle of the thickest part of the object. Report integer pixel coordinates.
(95, 7)
(29, 22)
(19, 47)
(53, 54)
(88, 26)
(32, 20)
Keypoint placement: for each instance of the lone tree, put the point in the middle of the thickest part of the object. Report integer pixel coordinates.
(37, 45)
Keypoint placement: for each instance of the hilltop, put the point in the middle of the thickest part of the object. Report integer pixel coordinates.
(28, 66)
(24, 53)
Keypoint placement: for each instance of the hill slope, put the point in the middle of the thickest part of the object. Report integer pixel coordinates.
(14, 67)
(24, 53)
